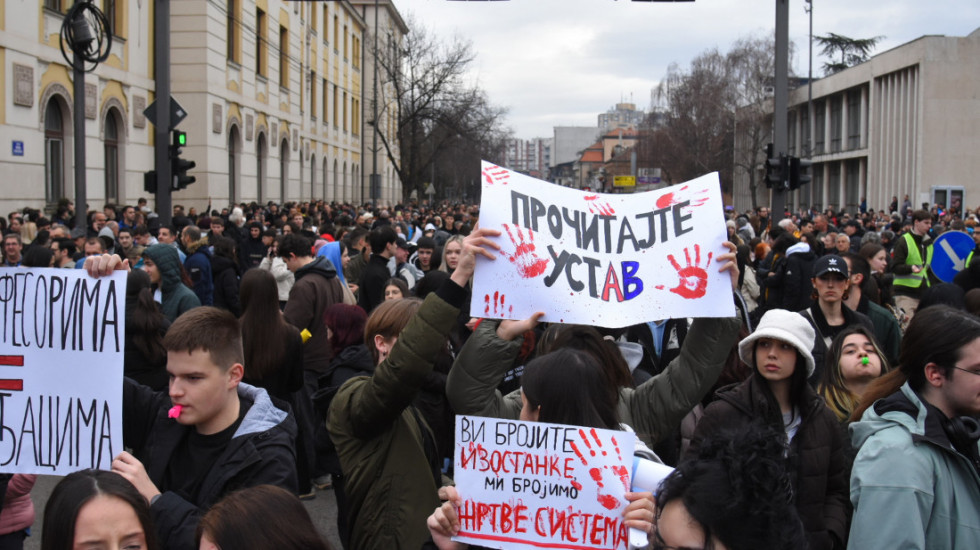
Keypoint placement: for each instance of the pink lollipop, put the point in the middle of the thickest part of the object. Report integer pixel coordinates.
(174, 411)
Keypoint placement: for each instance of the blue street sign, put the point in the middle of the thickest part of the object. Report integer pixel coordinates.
(17, 148)
(949, 254)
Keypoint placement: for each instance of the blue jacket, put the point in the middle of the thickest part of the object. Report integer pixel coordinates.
(198, 266)
(910, 488)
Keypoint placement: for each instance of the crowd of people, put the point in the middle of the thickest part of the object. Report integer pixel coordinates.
(274, 351)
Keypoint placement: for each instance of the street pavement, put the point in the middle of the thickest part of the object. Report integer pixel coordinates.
(322, 509)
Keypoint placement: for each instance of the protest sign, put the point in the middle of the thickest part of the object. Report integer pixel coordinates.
(607, 260)
(61, 370)
(537, 485)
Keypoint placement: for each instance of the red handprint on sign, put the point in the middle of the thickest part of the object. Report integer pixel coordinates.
(602, 208)
(607, 501)
(498, 301)
(667, 200)
(524, 257)
(495, 174)
(693, 278)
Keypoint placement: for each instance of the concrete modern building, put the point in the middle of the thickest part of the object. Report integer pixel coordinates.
(530, 156)
(570, 141)
(275, 92)
(623, 115)
(905, 122)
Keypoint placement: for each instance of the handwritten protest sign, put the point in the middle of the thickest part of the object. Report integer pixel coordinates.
(61, 370)
(606, 260)
(538, 485)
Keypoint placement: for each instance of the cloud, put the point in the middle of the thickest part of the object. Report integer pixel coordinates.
(563, 62)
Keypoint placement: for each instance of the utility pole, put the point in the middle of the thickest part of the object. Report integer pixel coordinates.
(161, 128)
(375, 183)
(780, 137)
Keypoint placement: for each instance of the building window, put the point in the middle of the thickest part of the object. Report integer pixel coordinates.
(326, 192)
(283, 169)
(852, 185)
(283, 57)
(111, 15)
(854, 119)
(313, 82)
(261, 152)
(806, 147)
(233, 139)
(816, 183)
(336, 33)
(836, 121)
(312, 19)
(346, 128)
(232, 30)
(53, 5)
(326, 18)
(346, 56)
(54, 151)
(356, 116)
(356, 62)
(820, 128)
(323, 97)
(833, 186)
(111, 148)
(312, 175)
(261, 44)
(336, 109)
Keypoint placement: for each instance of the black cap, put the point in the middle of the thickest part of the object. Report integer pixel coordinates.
(403, 244)
(830, 264)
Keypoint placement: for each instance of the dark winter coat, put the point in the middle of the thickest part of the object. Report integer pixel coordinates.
(798, 281)
(371, 291)
(260, 452)
(824, 334)
(198, 266)
(316, 288)
(176, 297)
(250, 253)
(818, 464)
(386, 450)
(226, 283)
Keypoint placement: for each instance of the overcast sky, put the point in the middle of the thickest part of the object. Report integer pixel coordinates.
(562, 62)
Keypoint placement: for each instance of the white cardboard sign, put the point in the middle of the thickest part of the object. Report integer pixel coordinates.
(528, 485)
(61, 369)
(608, 260)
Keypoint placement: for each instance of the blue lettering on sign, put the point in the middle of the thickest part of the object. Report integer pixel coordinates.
(17, 148)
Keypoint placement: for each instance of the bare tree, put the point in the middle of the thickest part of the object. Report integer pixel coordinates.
(436, 110)
(851, 50)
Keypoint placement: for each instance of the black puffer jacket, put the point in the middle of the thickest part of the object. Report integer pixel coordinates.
(226, 283)
(262, 451)
(818, 468)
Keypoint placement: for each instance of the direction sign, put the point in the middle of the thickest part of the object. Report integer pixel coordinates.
(949, 253)
(177, 113)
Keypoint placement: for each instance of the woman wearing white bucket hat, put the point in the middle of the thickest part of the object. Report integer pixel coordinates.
(778, 394)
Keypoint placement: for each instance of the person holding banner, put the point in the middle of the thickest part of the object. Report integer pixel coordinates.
(654, 409)
(387, 452)
(778, 394)
(566, 386)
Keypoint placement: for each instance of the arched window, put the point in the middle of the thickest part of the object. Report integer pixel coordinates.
(347, 195)
(54, 153)
(338, 193)
(326, 190)
(261, 152)
(234, 153)
(111, 147)
(312, 177)
(283, 169)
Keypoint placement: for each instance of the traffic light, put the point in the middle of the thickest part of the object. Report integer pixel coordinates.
(776, 171)
(799, 172)
(179, 166)
(150, 182)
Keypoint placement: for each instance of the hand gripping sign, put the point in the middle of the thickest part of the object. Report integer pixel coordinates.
(607, 260)
(61, 370)
(540, 485)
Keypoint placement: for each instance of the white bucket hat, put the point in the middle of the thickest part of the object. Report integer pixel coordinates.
(783, 325)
